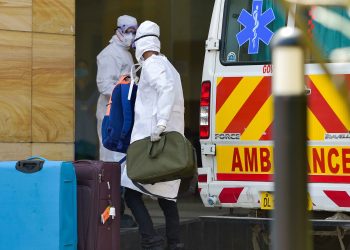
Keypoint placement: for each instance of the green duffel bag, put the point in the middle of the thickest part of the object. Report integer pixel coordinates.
(171, 158)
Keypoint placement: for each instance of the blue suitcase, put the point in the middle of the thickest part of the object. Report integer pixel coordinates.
(38, 205)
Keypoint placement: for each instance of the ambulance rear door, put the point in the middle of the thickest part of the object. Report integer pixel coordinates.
(242, 102)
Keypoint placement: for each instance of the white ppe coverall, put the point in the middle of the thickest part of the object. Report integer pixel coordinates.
(159, 101)
(113, 61)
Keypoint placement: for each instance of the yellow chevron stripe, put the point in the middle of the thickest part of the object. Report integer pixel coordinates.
(235, 101)
(260, 122)
(315, 130)
(332, 96)
(218, 81)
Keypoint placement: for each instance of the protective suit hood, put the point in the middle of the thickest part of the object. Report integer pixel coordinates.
(147, 39)
(124, 23)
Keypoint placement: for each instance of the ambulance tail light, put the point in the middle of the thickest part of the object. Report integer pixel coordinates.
(204, 116)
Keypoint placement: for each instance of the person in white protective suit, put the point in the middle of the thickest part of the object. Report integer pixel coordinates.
(159, 107)
(113, 61)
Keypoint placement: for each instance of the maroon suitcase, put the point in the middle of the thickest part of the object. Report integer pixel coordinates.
(98, 186)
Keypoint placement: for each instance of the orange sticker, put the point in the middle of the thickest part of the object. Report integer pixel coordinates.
(105, 215)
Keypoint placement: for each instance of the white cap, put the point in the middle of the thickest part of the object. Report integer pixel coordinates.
(148, 28)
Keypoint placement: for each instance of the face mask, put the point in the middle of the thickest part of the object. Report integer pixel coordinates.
(125, 38)
(128, 39)
(138, 54)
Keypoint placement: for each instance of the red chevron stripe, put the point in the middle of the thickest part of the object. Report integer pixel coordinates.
(250, 107)
(202, 178)
(340, 198)
(230, 195)
(268, 134)
(224, 89)
(324, 113)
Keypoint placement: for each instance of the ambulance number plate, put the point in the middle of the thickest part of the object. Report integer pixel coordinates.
(266, 201)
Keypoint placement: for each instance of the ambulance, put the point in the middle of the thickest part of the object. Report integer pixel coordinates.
(236, 107)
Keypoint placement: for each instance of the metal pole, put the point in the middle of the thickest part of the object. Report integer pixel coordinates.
(290, 227)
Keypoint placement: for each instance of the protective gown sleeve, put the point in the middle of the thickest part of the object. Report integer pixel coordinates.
(108, 71)
(155, 73)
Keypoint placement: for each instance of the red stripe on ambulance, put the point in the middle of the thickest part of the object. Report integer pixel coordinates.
(340, 198)
(202, 178)
(244, 177)
(329, 179)
(268, 134)
(230, 195)
(269, 177)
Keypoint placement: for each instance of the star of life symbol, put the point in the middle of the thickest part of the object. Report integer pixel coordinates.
(255, 27)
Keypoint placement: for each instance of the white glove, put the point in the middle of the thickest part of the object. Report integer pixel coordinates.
(155, 136)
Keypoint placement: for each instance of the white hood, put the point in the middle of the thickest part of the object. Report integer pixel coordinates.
(147, 39)
(125, 22)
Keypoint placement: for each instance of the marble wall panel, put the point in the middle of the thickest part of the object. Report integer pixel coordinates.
(54, 16)
(15, 151)
(53, 88)
(54, 151)
(16, 15)
(15, 86)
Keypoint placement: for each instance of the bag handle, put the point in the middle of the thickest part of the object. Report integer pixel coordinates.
(29, 166)
(157, 147)
(36, 157)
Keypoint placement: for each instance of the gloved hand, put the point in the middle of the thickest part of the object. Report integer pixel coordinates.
(155, 136)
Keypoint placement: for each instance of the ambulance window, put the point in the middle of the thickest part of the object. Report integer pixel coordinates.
(248, 28)
(325, 27)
